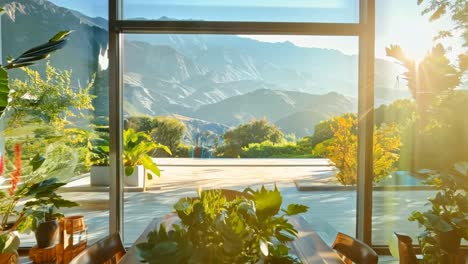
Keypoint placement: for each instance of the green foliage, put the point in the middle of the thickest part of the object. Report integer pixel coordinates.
(398, 112)
(256, 131)
(267, 149)
(37, 184)
(141, 123)
(448, 213)
(49, 108)
(182, 151)
(168, 132)
(51, 100)
(44, 204)
(59, 162)
(137, 145)
(432, 77)
(9, 243)
(442, 128)
(323, 131)
(28, 58)
(457, 11)
(98, 150)
(215, 230)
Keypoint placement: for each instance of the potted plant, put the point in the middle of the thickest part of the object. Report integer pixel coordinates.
(98, 158)
(136, 159)
(446, 222)
(250, 228)
(41, 213)
(29, 184)
(138, 164)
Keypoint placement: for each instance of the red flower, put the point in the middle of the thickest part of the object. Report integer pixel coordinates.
(15, 176)
(2, 165)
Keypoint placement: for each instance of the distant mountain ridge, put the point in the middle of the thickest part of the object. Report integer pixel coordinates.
(224, 79)
(273, 105)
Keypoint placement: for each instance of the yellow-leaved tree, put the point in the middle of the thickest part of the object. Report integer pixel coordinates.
(341, 149)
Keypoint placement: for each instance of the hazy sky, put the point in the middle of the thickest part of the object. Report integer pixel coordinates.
(397, 21)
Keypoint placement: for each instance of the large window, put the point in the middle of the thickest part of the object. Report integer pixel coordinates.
(217, 73)
(242, 111)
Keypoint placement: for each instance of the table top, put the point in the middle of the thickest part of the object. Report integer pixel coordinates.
(308, 245)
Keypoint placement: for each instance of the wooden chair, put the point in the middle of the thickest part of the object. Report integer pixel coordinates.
(106, 251)
(405, 249)
(354, 250)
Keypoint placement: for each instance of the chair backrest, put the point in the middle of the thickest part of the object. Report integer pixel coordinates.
(108, 250)
(405, 249)
(354, 250)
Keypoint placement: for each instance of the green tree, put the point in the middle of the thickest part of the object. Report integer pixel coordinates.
(51, 109)
(434, 76)
(457, 11)
(168, 132)
(50, 100)
(256, 131)
(141, 123)
(435, 85)
(399, 112)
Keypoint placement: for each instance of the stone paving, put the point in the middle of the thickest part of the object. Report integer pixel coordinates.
(330, 211)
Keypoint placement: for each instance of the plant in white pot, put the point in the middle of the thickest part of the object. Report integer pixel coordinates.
(98, 158)
(139, 165)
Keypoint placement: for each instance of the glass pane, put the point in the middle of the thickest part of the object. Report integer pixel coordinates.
(209, 97)
(336, 11)
(56, 105)
(421, 128)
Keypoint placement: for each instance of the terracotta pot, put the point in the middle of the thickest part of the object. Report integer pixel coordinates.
(450, 241)
(46, 234)
(9, 258)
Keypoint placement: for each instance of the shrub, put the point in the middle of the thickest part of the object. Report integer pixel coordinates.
(268, 149)
(256, 131)
(182, 151)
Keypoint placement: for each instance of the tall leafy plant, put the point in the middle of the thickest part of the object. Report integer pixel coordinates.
(137, 146)
(447, 219)
(137, 149)
(27, 58)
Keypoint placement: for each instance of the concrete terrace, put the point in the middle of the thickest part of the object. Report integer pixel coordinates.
(330, 210)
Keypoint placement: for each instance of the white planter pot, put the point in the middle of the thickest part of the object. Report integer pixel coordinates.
(137, 179)
(100, 176)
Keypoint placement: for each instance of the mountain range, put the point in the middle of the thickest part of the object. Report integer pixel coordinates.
(224, 79)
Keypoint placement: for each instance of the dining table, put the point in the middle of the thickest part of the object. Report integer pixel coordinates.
(308, 245)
